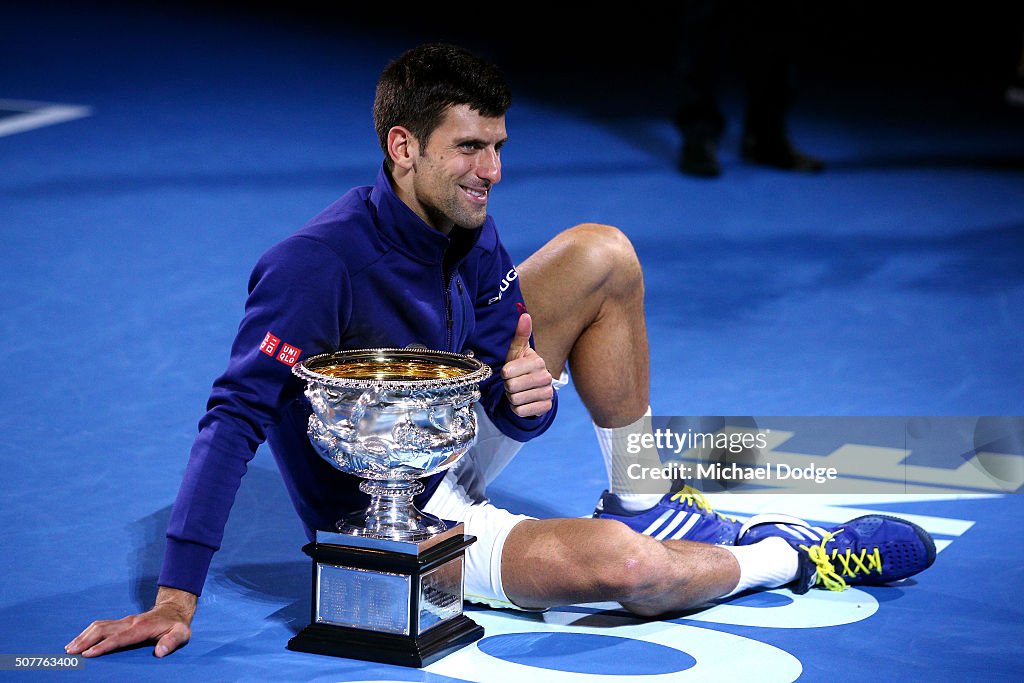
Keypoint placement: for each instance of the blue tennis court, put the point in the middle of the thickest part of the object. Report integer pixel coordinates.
(149, 155)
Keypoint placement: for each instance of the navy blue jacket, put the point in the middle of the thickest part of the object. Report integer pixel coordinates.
(366, 273)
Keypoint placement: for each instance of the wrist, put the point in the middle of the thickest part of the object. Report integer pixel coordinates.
(180, 601)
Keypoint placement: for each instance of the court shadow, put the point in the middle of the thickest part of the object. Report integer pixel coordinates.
(896, 162)
(274, 583)
(262, 523)
(889, 593)
(149, 538)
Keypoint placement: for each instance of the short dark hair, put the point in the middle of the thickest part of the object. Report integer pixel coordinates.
(417, 88)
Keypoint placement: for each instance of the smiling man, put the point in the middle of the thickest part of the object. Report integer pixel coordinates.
(415, 259)
(447, 178)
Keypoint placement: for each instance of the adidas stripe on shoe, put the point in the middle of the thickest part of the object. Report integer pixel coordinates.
(684, 515)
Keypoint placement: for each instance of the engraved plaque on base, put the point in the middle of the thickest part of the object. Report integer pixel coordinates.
(397, 602)
(388, 582)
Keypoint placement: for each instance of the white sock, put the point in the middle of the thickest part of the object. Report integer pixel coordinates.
(766, 564)
(634, 494)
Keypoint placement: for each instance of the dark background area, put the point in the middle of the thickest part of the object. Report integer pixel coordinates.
(848, 59)
(975, 44)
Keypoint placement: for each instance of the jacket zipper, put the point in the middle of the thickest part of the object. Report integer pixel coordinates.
(449, 316)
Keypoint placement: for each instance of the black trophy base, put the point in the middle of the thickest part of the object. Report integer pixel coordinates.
(380, 600)
(415, 651)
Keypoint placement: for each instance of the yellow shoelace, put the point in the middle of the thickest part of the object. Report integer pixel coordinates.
(691, 496)
(852, 563)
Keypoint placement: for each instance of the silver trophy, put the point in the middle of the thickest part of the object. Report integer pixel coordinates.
(388, 581)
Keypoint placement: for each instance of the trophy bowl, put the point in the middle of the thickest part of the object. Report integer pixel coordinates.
(391, 417)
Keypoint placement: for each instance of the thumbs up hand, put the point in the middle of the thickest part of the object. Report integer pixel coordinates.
(527, 380)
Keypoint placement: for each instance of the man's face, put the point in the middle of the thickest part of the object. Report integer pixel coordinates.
(454, 174)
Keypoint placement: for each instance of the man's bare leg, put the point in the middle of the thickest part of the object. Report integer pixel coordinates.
(553, 562)
(585, 292)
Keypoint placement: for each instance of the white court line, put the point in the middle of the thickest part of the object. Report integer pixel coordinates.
(37, 115)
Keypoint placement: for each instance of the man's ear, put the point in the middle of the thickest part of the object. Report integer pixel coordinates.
(402, 147)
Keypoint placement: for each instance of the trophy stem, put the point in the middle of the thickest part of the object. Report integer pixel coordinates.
(392, 514)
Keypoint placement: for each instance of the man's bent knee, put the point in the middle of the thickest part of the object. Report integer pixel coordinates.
(606, 254)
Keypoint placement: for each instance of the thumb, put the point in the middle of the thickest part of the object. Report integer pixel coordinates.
(177, 636)
(521, 338)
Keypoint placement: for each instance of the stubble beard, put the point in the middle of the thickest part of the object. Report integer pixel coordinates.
(451, 208)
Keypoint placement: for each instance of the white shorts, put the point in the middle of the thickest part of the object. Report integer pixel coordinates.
(462, 497)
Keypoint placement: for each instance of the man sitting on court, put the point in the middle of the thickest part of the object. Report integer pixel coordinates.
(415, 259)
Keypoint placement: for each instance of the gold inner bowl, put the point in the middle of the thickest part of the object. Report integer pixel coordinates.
(405, 370)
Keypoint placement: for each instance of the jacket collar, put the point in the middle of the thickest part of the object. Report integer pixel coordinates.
(406, 231)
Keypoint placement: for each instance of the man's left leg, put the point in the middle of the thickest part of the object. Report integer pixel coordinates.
(585, 292)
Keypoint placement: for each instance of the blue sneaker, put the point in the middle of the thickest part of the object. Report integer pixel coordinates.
(872, 550)
(793, 529)
(684, 515)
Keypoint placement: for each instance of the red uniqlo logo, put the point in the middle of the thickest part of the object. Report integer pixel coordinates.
(289, 354)
(269, 344)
